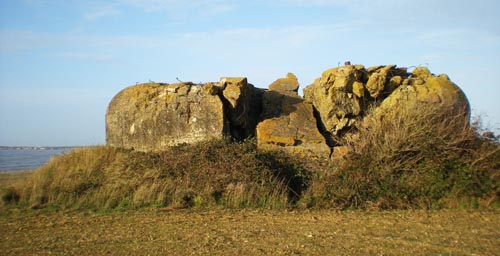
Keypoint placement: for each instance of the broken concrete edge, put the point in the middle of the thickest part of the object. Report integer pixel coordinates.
(357, 87)
(242, 107)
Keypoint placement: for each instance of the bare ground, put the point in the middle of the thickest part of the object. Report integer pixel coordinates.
(250, 232)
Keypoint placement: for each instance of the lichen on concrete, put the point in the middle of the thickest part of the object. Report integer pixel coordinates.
(154, 116)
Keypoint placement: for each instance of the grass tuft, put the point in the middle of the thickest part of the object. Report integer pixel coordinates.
(412, 159)
(218, 172)
(423, 159)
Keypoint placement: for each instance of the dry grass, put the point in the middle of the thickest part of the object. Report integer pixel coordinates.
(251, 232)
(219, 172)
(14, 178)
(179, 202)
(423, 158)
(10, 182)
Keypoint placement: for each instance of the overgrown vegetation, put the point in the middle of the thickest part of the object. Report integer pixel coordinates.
(218, 172)
(408, 159)
(412, 159)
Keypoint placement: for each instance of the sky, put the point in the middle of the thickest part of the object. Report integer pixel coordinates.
(62, 61)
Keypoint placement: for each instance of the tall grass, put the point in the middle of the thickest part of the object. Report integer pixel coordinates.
(423, 158)
(213, 173)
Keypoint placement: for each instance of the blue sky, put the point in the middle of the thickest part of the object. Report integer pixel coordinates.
(62, 61)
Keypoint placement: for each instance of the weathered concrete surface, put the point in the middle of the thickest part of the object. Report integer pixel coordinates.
(288, 85)
(342, 95)
(151, 116)
(337, 96)
(425, 88)
(288, 124)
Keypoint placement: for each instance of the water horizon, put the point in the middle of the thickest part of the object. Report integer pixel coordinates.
(24, 158)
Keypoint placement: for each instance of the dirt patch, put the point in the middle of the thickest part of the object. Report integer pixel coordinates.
(251, 232)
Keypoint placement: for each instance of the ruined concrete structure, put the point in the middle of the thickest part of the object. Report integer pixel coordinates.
(154, 116)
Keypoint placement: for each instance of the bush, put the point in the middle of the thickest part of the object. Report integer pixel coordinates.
(412, 159)
(217, 172)
(9, 196)
(406, 159)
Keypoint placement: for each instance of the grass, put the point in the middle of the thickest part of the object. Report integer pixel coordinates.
(251, 232)
(9, 182)
(233, 175)
(215, 197)
(422, 159)
(14, 178)
(426, 159)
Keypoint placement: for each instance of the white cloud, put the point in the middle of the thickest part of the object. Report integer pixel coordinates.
(20, 40)
(72, 44)
(12, 41)
(174, 9)
(82, 56)
(98, 11)
(459, 38)
(411, 14)
(315, 2)
(272, 38)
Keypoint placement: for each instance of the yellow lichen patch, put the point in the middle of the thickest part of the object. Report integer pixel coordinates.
(268, 133)
(168, 114)
(358, 89)
(421, 72)
(375, 84)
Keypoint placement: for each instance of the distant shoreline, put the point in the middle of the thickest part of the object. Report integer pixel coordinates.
(18, 159)
(16, 171)
(38, 147)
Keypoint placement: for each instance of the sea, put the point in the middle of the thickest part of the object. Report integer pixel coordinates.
(27, 158)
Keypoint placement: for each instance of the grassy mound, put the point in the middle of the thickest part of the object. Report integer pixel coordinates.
(212, 173)
(412, 159)
(407, 159)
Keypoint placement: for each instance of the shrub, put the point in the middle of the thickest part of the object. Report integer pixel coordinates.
(412, 159)
(9, 196)
(217, 172)
(404, 159)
